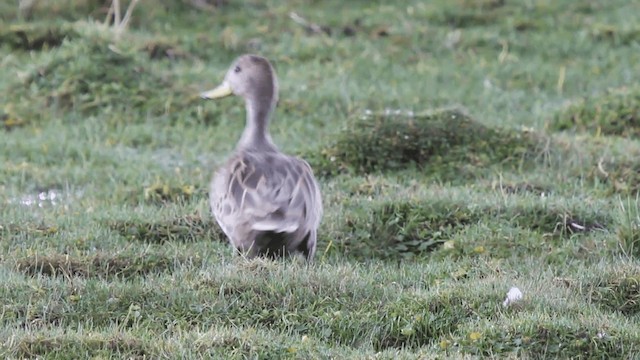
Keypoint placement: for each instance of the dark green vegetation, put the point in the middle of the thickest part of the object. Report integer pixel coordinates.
(463, 147)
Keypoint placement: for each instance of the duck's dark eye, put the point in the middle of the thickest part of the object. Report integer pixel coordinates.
(237, 69)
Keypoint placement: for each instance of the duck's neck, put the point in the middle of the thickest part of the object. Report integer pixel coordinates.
(256, 131)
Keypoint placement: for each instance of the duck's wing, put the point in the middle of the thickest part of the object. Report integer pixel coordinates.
(266, 192)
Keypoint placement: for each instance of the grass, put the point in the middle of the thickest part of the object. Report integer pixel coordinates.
(463, 148)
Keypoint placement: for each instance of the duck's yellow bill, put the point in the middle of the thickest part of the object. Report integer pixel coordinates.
(221, 91)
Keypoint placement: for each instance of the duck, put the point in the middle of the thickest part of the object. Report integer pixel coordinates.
(267, 203)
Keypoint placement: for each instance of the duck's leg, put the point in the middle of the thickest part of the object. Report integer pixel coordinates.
(246, 245)
(308, 245)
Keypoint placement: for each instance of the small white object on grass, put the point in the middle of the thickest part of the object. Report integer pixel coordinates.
(513, 296)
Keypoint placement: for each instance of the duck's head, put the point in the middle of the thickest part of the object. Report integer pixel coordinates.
(251, 77)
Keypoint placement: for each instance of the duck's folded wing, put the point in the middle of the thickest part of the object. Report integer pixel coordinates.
(274, 193)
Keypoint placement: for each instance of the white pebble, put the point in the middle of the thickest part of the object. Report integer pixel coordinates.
(513, 296)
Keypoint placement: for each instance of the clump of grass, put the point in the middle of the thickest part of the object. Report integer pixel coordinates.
(36, 36)
(88, 74)
(97, 265)
(521, 187)
(622, 175)
(123, 344)
(28, 230)
(62, 9)
(620, 293)
(188, 228)
(251, 343)
(558, 220)
(617, 35)
(415, 321)
(540, 339)
(161, 193)
(404, 229)
(446, 143)
(629, 239)
(407, 319)
(95, 73)
(246, 343)
(162, 48)
(9, 120)
(615, 113)
(628, 231)
(465, 13)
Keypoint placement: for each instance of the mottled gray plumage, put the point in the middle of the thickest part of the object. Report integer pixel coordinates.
(266, 202)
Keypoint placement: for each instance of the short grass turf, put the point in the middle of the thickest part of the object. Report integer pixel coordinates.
(463, 148)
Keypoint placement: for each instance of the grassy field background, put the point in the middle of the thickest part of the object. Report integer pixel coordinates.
(463, 147)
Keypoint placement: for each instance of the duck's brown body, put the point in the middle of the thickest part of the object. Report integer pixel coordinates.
(267, 203)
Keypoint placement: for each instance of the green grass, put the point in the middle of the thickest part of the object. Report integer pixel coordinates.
(463, 147)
